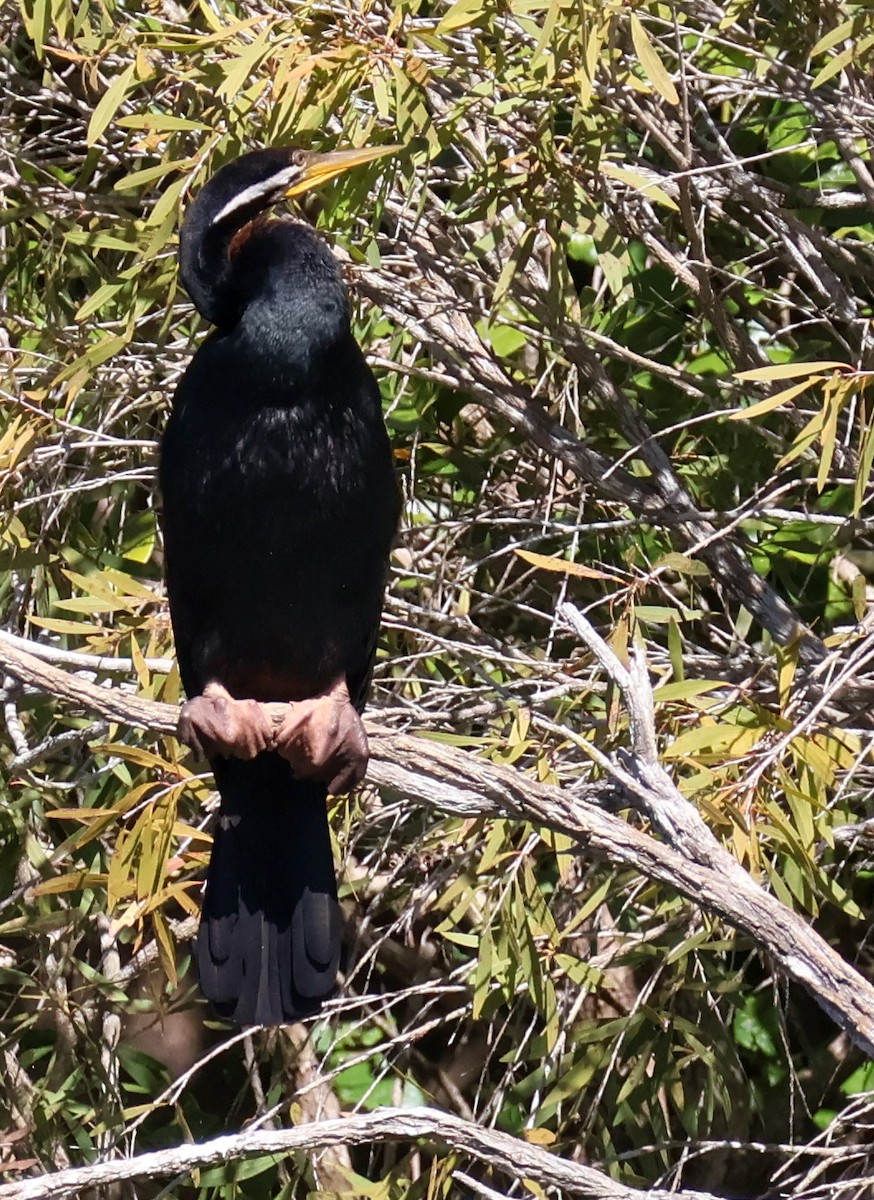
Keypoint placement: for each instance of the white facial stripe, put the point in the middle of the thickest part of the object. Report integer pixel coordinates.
(264, 190)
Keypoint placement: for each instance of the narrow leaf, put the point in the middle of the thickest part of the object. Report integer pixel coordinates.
(835, 65)
(139, 179)
(641, 183)
(563, 567)
(793, 370)
(109, 103)
(653, 67)
(681, 563)
(777, 400)
(460, 15)
(831, 39)
(72, 881)
(866, 461)
(803, 440)
(835, 395)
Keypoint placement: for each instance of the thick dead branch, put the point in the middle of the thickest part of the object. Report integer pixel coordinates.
(500, 1151)
(452, 781)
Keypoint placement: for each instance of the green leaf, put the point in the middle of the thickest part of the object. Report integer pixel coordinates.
(687, 689)
(681, 563)
(750, 1030)
(161, 123)
(828, 40)
(734, 739)
(237, 71)
(97, 299)
(138, 179)
(835, 65)
(109, 103)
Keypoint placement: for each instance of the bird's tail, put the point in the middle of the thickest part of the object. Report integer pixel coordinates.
(269, 942)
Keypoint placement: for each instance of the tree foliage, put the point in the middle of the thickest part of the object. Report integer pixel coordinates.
(617, 287)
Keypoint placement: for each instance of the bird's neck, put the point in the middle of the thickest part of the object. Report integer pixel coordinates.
(296, 326)
(275, 287)
(207, 269)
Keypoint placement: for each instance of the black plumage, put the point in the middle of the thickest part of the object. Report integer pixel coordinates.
(280, 505)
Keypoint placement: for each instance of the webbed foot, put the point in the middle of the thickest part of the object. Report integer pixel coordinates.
(215, 724)
(324, 739)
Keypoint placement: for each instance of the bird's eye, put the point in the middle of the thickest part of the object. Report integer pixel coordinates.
(299, 158)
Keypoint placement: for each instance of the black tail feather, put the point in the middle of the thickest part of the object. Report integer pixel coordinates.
(269, 942)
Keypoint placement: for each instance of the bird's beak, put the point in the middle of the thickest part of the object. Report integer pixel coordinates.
(321, 167)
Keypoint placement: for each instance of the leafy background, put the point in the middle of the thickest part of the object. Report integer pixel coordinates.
(620, 272)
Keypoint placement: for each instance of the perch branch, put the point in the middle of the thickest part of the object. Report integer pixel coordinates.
(452, 781)
(501, 1151)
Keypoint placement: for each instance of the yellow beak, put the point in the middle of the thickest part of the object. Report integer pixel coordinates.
(321, 167)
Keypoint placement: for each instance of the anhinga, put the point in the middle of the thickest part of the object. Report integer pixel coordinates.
(280, 505)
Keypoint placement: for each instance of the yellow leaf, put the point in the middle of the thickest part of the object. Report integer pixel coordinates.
(119, 884)
(166, 948)
(416, 68)
(792, 370)
(72, 881)
(79, 814)
(69, 55)
(141, 757)
(829, 40)
(131, 915)
(563, 567)
(173, 892)
(803, 440)
(866, 460)
(787, 662)
(182, 830)
(653, 67)
(539, 1137)
(91, 585)
(460, 15)
(641, 183)
(84, 604)
(777, 400)
(836, 394)
(139, 662)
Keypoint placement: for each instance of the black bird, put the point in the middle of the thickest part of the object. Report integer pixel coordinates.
(280, 506)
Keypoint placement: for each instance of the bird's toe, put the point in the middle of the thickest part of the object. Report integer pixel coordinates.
(323, 739)
(216, 725)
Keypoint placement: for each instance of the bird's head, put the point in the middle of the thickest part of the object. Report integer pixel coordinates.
(214, 226)
(233, 197)
(254, 181)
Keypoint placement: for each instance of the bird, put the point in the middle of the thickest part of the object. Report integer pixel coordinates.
(280, 507)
